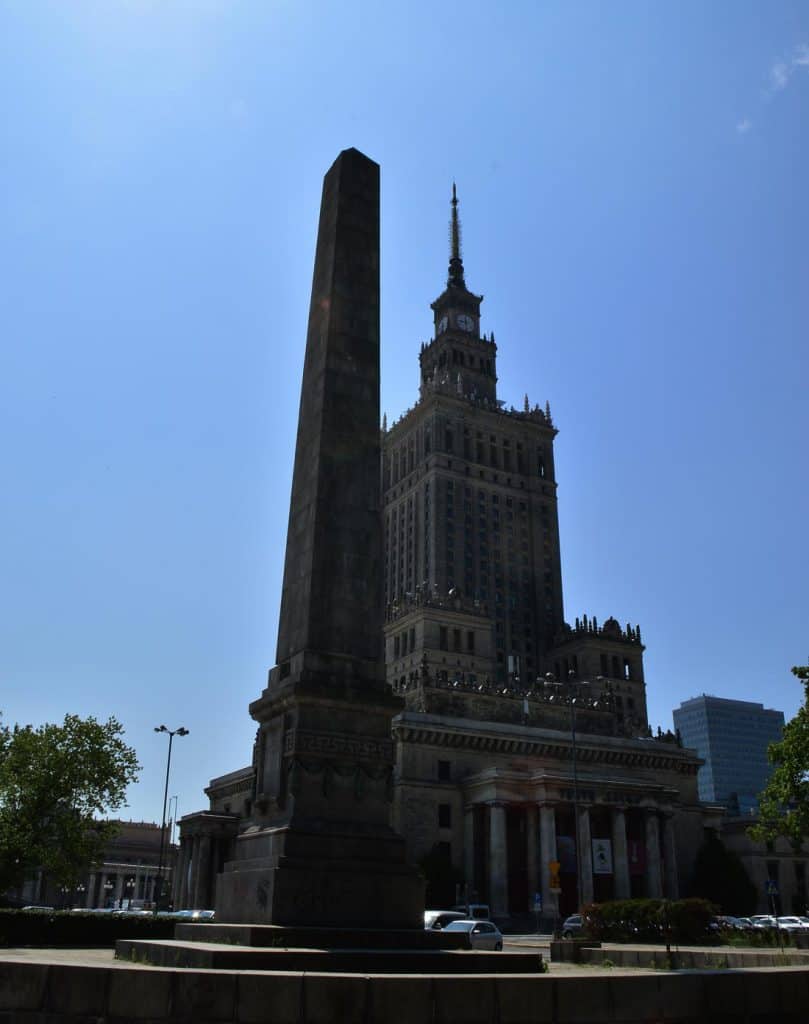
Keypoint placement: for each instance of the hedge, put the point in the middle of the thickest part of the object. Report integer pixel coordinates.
(68, 928)
(676, 921)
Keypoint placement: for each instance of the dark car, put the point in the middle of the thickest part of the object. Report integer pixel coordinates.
(572, 926)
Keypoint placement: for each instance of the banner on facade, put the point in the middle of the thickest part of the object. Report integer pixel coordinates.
(636, 854)
(602, 857)
(566, 852)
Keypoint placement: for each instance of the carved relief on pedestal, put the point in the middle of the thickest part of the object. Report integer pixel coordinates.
(300, 741)
(367, 779)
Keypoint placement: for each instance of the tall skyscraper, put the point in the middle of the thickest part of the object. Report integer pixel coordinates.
(732, 736)
(473, 578)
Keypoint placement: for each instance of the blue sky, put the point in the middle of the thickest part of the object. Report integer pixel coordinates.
(632, 180)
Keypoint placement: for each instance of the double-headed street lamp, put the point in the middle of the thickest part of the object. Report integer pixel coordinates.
(182, 731)
(572, 694)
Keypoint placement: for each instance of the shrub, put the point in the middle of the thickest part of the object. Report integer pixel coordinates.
(68, 928)
(645, 920)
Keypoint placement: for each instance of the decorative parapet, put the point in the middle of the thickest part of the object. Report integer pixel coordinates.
(450, 388)
(529, 704)
(233, 783)
(423, 597)
(610, 630)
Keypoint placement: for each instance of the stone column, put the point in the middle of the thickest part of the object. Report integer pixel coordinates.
(176, 880)
(654, 885)
(89, 901)
(203, 882)
(498, 861)
(469, 849)
(194, 875)
(531, 853)
(585, 856)
(185, 881)
(620, 856)
(670, 858)
(547, 853)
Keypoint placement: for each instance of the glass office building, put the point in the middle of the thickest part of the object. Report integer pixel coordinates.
(732, 737)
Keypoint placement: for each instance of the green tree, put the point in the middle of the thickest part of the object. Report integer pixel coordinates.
(784, 803)
(56, 784)
(720, 876)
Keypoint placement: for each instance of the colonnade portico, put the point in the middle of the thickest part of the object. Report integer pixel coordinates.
(623, 845)
(117, 883)
(206, 841)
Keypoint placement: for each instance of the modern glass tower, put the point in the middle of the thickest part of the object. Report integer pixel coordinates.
(732, 737)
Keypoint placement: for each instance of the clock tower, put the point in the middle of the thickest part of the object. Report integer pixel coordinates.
(458, 356)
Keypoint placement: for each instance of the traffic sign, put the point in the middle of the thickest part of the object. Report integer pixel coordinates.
(771, 887)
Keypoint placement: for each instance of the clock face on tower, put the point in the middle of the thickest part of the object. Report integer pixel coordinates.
(464, 322)
(442, 325)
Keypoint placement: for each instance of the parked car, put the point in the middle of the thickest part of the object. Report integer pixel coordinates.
(725, 922)
(192, 915)
(791, 924)
(572, 926)
(481, 934)
(762, 921)
(438, 919)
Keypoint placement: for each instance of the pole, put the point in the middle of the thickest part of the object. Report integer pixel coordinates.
(163, 830)
(775, 918)
(575, 803)
(182, 731)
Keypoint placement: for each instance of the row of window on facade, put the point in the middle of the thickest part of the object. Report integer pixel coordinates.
(405, 641)
(461, 358)
(612, 667)
(485, 450)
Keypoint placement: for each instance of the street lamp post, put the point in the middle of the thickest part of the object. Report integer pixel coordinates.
(182, 731)
(573, 693)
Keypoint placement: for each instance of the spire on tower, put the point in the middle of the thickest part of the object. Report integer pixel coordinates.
(455, 262)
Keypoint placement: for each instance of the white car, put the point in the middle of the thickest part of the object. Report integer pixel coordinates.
(791, 924)
(481, 934)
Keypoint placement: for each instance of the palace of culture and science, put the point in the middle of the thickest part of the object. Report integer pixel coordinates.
(523, 750)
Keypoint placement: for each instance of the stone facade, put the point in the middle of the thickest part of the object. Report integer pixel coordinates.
(779, 862)
(127, 873)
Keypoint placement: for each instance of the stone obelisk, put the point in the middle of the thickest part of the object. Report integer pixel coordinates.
(319, 849)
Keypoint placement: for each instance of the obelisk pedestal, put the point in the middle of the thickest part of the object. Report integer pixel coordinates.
(319, 849)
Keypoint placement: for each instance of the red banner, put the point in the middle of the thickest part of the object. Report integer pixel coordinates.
(636, 854)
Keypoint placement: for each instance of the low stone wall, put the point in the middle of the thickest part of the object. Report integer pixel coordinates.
(721, 958)
(583, 951)
(41, 993)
